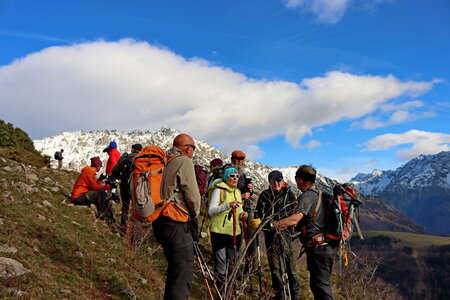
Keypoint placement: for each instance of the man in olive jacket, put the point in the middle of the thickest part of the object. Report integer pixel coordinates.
(179, 185)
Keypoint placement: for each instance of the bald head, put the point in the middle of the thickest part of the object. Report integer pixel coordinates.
(185, 143)
(182, 139)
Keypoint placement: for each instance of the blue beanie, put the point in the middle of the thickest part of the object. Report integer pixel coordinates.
(113, 145)
(228, 172)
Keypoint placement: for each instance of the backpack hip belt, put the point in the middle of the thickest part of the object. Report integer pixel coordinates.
(315, 241)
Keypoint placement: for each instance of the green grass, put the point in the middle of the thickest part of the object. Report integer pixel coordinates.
(412, 239)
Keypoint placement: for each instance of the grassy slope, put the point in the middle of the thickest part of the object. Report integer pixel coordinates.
(412, 239)
(49, 247)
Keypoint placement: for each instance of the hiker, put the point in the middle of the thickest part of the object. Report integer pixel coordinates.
(225, 211)
(319, 254)
(59, 157)
(122, 171)
(114, 156)
(216, 162)
(246, 187)
(275, 203)
(172, 228)
(88, 190)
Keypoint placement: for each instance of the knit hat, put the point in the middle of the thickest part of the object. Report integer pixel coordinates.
(238, 154)
(96, 162)
(274, 175)
(216, 162)
(113, 145)
(228, 172)
(137, 147)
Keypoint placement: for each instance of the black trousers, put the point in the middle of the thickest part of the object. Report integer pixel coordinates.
(125, 196)
(98, 198)
(320, 264)
(178, 245)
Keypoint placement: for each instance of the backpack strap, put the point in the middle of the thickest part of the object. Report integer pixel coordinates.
(319, 201)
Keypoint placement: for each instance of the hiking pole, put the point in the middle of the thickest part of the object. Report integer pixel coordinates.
(204, 275)
(285, 275)
(258, 256)
(202, 260)
(234, 235)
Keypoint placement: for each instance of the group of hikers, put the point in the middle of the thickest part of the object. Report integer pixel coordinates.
(234, 218)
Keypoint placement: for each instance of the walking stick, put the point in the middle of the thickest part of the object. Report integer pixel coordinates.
(258, 255)
(205, 268)
(234, 235)
(285, 275)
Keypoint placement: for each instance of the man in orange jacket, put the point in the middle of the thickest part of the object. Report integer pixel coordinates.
(88, 190)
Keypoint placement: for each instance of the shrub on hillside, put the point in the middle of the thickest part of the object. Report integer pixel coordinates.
(15, 144)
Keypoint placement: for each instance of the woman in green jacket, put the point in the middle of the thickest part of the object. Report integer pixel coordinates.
(225, 228)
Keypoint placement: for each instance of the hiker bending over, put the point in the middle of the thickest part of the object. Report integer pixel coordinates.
(122, 171)
(172, 228)
(88, 190)
(114, 156)
(225, 210)
(319, 254)
(275, 203)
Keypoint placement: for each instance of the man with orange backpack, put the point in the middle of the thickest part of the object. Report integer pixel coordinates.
(172, 228)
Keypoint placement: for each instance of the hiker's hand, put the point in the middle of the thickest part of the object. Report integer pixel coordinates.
(244, 216)
(250, 187)
(246, 195)
(235, 204)
(254, 224)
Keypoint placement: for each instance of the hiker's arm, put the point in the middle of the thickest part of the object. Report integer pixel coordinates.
(94, 184)
(214, 207)
(188, 185)
(292, 220)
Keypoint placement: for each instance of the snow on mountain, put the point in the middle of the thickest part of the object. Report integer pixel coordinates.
(421, 172)
(80, 146)
(420, 189)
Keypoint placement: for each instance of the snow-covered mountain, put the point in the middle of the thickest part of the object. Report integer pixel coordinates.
(80, 146)
(420, 189)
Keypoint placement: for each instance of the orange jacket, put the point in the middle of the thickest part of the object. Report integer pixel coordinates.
(86, 182)
(114, 156)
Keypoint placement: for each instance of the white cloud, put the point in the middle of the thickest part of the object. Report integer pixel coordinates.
(313, 144)
(132, 85)
(422, 142)
(402, 106)
(397, 117)
(332, 11)
(327, 11)
(254, 152)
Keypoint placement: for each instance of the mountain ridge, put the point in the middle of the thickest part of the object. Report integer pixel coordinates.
(420, 189)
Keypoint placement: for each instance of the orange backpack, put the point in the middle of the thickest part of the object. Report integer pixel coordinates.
(146, 177)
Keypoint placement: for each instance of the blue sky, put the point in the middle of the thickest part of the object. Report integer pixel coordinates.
(346, 85)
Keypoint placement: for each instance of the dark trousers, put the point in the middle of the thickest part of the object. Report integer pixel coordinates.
(125, 196)
(98, 198)
(320, 261)
(225, 255)
(176, 240)
(279, 249)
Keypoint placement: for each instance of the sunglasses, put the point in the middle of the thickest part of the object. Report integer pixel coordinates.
(233, 175)
(189, 145)
(276, 180)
